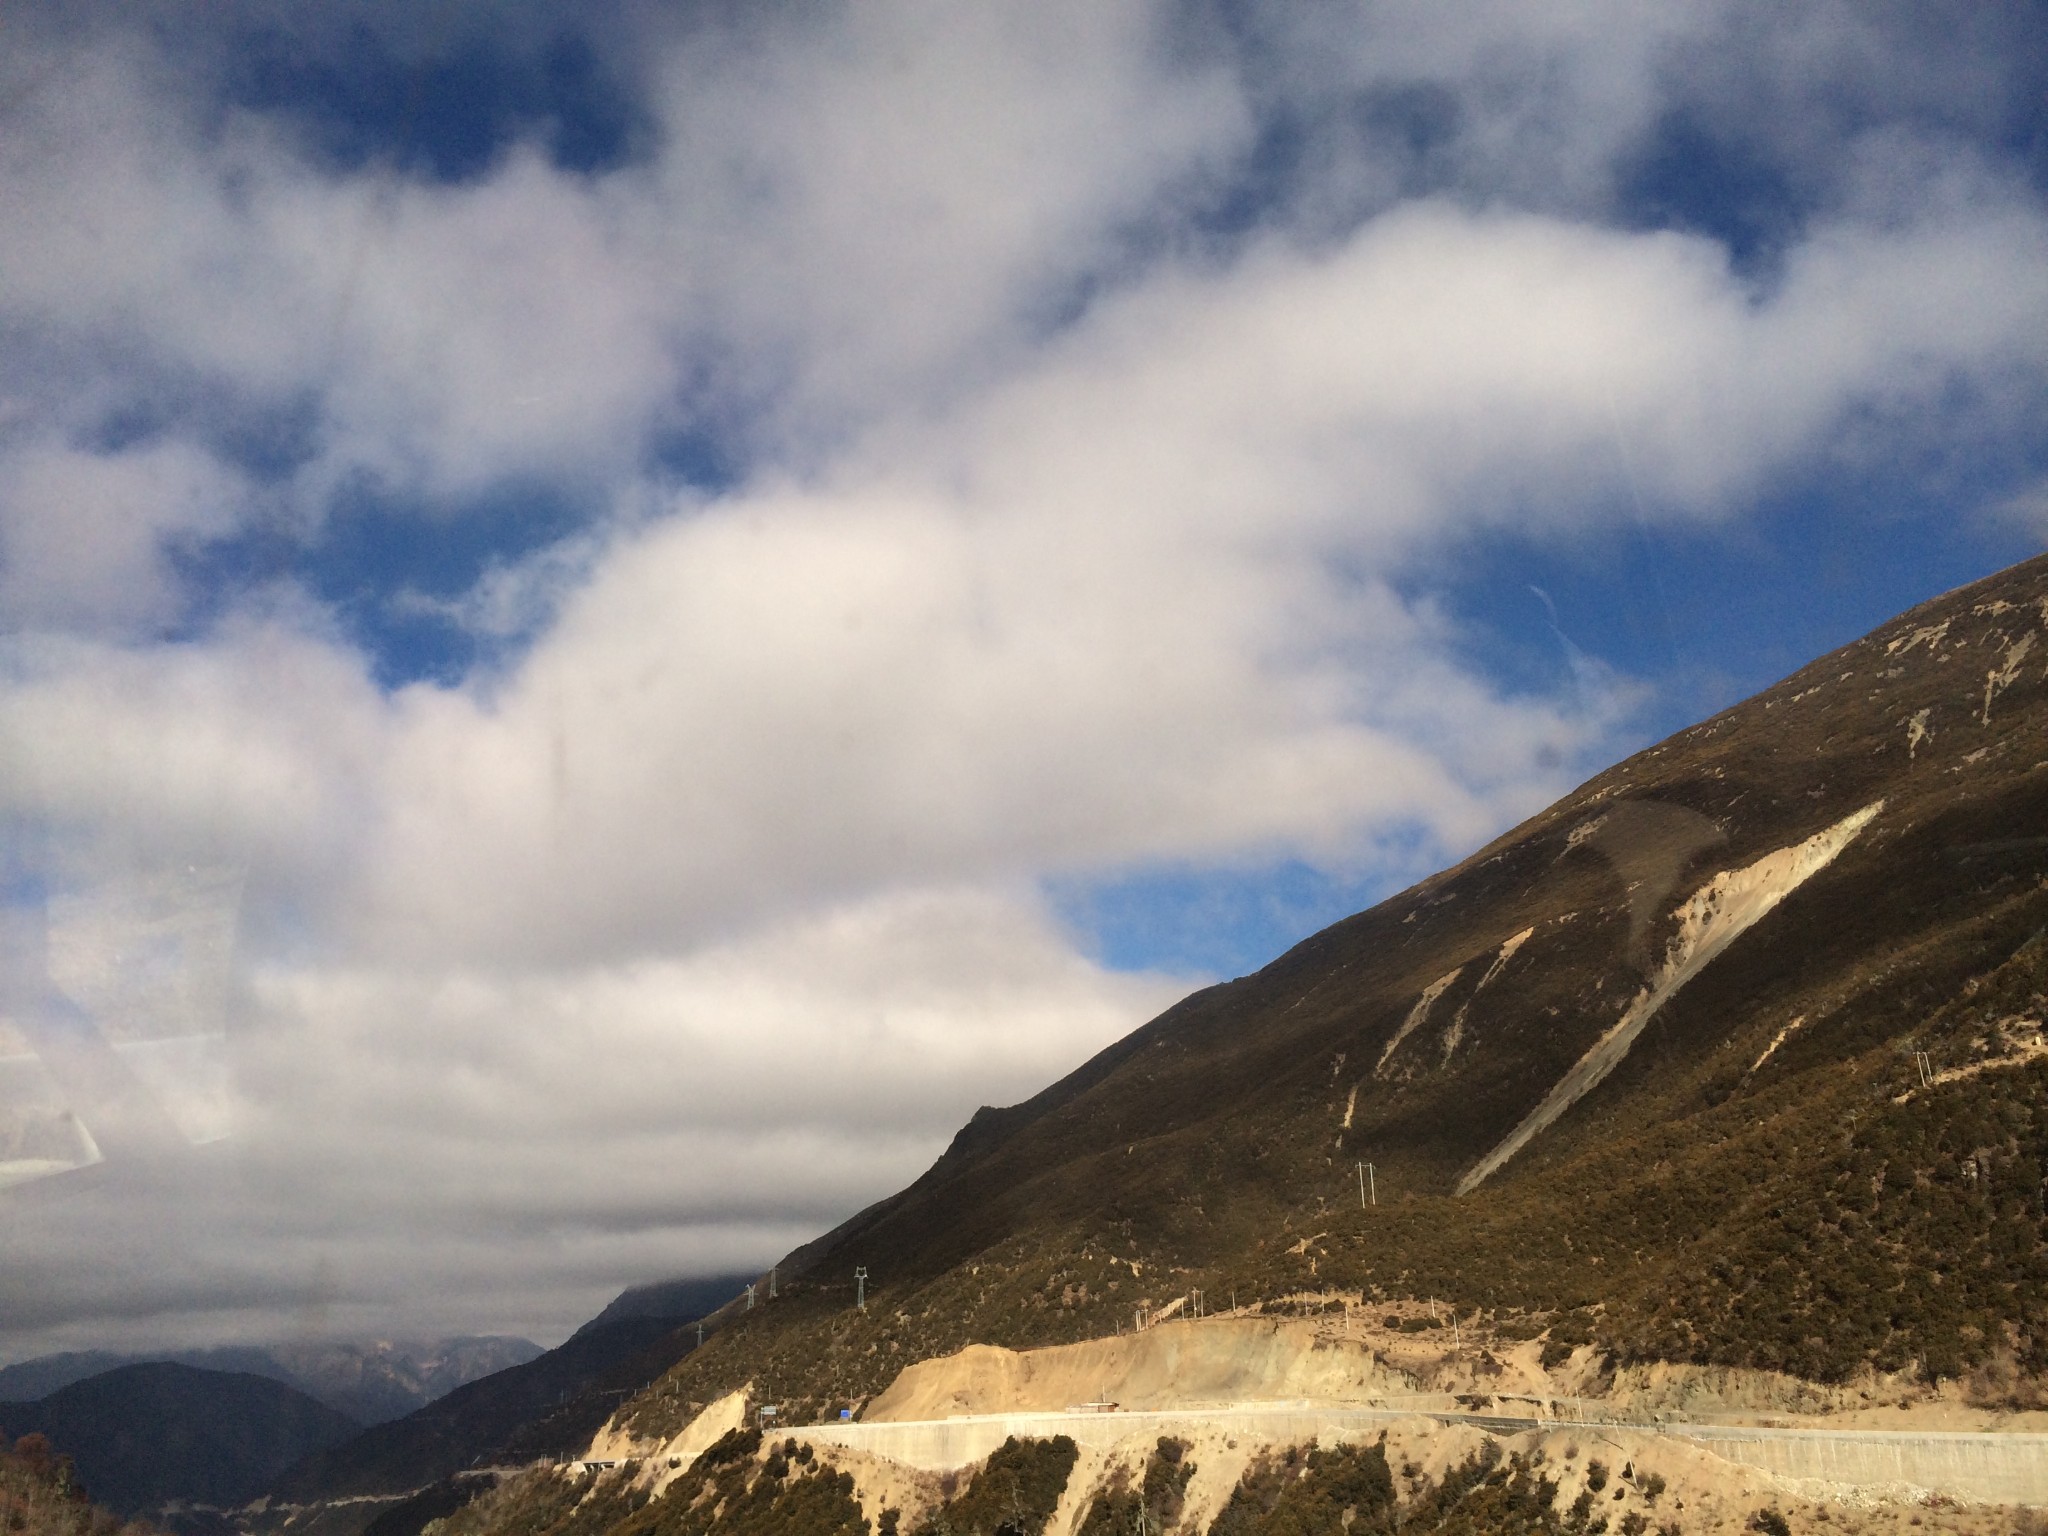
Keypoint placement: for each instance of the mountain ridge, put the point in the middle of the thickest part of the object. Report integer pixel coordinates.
(159, 1434)
(371, 1382)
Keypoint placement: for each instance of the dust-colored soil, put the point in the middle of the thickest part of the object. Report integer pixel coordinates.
(1352, 1358)
(1175, 1365)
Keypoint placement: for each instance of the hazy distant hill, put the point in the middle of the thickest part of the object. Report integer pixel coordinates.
(371, 1383)
(143, 1436)
(550, 1405)
(1732, 1055)
(374, 1383)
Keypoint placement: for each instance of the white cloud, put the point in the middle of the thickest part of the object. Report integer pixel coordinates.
(849, 210)
(401, 1127)
(814, 693)
(84, 536)
(875, 204)
(709, 917)
(255, 745)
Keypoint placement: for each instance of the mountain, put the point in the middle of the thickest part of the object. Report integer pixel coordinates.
(677, 1300)
(1734, 1056)
(371, 1383)
(547, 1406)
(377, 1382)
(159, 1433)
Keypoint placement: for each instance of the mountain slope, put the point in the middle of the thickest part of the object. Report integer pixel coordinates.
(143, 1436)
(1732, 1055)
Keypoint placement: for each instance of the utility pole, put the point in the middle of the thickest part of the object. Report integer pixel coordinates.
(1361, 1186)
(1373, 1183)
(860, 1288)
(700, 1333)
(750, 1298)
(771, 1282)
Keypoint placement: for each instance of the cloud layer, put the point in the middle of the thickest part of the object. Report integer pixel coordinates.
(1000, 451)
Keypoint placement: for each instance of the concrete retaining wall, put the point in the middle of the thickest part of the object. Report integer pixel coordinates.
(939, 1445)
(1999, 1469)
(1994, 1468)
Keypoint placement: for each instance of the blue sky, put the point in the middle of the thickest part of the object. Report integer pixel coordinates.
(660, 600)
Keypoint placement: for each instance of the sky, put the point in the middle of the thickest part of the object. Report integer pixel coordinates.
(611, 616)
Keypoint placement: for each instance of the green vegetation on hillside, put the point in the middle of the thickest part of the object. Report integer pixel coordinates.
(1824, 1155)
(1795, 1218)
(1153, 1506)
(1483, 1496)
(1314, 1493)
(1013, 1494)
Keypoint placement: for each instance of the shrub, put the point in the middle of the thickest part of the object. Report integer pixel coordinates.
(40, 1497)
(733, 1446)
(1014, 1493)
(1347, 1488)
(1117, 1510)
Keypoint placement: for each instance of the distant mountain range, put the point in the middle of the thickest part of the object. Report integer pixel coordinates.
(550, 1405)
(371, 1383)
(185, 1441)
